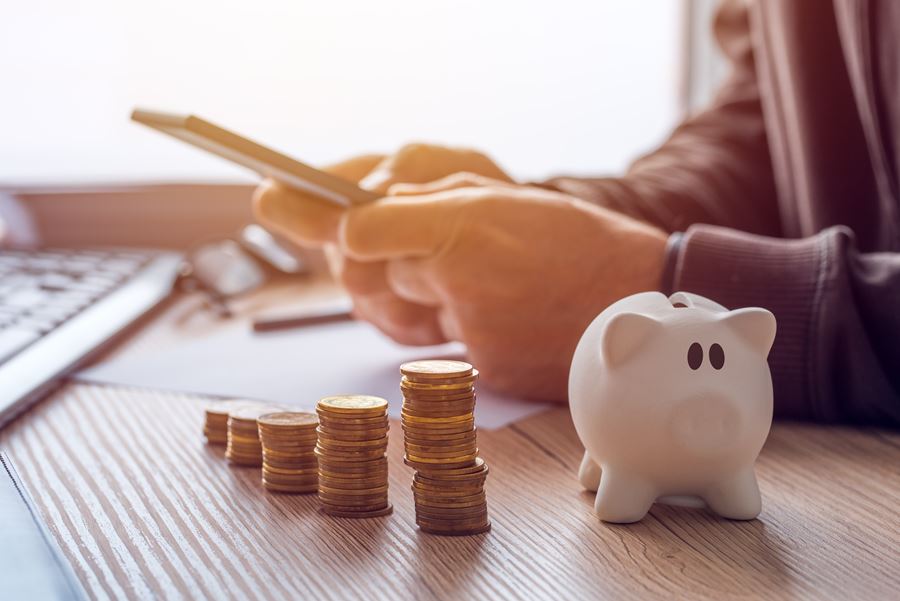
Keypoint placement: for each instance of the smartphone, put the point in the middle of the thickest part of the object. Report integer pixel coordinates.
(247, 153)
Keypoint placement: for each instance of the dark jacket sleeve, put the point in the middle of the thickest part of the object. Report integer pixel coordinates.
(836, 356)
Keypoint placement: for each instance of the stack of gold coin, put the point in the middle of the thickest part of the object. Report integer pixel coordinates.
(288, 441)
(353, 470)
(438, 419)
(244, 447)
(215, 428)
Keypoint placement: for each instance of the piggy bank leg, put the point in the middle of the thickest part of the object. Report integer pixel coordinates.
(736, 497)
(589, 473)
(622, 498)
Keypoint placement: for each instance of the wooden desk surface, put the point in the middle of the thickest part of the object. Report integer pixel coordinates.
(143, 509)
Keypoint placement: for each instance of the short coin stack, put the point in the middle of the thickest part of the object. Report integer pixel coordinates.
(353, 470)
(215, 428)
(244, 447)
(440, 442)
(288, 441)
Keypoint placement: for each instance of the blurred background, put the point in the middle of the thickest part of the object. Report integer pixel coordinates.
(92, 206)
(545, 88)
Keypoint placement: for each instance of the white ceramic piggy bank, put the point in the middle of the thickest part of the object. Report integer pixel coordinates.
(672, 399)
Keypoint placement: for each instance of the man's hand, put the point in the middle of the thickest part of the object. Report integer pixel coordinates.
(515, 273)
(366, 281)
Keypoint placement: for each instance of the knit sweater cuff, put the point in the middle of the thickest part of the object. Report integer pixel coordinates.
(737, 269)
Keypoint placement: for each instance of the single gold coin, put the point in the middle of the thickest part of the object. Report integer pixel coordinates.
(288, 419)
(339, 492)
(361, 502)
(422, 466)
(439, 402)
(348, 444)
(449, 386)
(452, 513)
(446, 493)
(428, 433)
(438, 503)
(452, 532)
(332, 453)
(376, 513)
(347, 435)
(443, 423)
(438, 413)
(424, 441)
(443, 458)
(436, 368)
(477, 467)
(289, 448)
(457, 486)
(337, 478)
(288, 441)
(291, 467)
(354, 466)
(306, 451)
(453, 419)
(298, 471)
(347, 421)
(353, 483)
(457, 520)
(353, 404)
(439, 451)
(272, 487)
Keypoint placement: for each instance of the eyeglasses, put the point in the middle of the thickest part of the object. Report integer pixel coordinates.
(230, 268)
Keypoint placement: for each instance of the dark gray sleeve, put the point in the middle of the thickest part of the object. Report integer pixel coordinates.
(836, 356)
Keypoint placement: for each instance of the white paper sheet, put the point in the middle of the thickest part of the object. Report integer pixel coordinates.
(295, 367)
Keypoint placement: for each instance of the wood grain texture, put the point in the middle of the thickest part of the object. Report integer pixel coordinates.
(143, 509)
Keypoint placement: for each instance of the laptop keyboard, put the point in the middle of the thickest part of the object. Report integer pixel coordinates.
(41, 290)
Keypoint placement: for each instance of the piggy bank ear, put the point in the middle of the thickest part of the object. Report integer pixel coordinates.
(756, 326)
(624, 335)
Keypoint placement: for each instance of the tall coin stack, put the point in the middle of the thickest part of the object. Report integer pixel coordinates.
(438, 418)
(288, 441)
(244, 447)
(353, 469)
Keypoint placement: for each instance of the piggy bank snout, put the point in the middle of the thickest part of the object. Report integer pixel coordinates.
(706, 422)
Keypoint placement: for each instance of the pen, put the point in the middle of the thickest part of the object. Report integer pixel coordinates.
(328, 315)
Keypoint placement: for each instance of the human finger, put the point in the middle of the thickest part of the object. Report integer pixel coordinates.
(361, 278)
(303, 219)
(413, 226)
(463, 179)
(410, 279)
(419, 163)
(401, 320)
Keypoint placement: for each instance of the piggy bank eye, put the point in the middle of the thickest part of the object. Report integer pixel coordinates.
(695, 356)
(717, 356)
